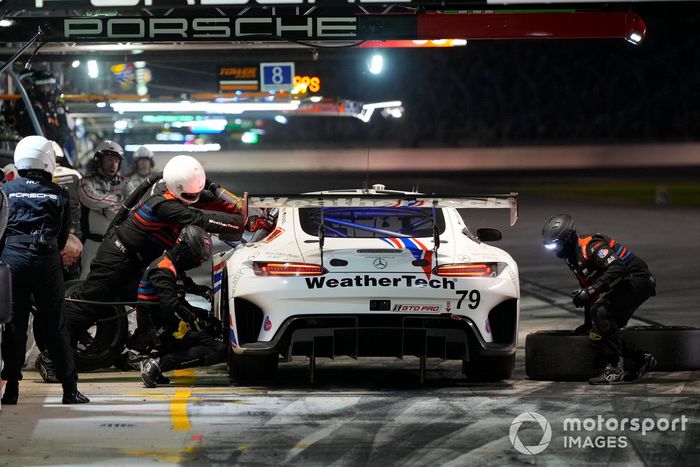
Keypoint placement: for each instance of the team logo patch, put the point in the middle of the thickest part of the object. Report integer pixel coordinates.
(603, 253)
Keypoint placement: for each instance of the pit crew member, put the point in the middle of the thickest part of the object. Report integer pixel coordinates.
(150, 227)
(102, 193)
(37, 230)
(614, 283)
(176, 326)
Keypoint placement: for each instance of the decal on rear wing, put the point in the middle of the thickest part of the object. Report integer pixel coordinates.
(502, 201)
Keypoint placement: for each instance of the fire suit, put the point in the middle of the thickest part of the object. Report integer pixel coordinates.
(172, 322)
(150, 227)
(100, 197)
(37, 229)
(134, 181)
(618, 282)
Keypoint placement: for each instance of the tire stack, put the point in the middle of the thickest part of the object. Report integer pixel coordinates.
(561, 356)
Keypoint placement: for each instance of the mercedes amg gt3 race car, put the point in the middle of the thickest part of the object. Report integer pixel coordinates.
(373, 273)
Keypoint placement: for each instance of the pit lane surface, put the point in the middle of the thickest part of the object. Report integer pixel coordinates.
(367, 412)
(375, 411)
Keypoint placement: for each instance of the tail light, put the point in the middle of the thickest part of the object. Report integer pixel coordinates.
(467, 270)
(288, 269)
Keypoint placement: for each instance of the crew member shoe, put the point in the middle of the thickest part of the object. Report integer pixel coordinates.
(647, 364)
(150, 371)
(611, 374)
(45, 367)
(11, 393)
(75, 397)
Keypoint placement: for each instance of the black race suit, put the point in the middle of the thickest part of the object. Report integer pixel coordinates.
(37, 230)
(150, 228)
(177, 346)
(622, 282)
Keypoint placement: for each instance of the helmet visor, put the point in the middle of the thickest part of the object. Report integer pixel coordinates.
(190, 197)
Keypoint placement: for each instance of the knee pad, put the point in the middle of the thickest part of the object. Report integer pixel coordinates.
(603, 320)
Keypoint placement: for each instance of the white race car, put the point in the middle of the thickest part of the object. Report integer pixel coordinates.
(367, 274)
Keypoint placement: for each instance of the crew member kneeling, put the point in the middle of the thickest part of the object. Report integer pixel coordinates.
(179, 344)
(37, 230)
(614, 283)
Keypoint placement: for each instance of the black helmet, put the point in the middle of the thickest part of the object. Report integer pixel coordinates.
(559, 234)
(109, 148)
(193, 247)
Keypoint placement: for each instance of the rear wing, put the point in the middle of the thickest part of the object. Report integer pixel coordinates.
(392, 200)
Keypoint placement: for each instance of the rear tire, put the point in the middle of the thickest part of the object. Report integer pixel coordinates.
(489, 368)
(108, 340)
(245, 368)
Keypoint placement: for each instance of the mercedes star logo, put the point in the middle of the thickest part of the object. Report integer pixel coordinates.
(380, 263)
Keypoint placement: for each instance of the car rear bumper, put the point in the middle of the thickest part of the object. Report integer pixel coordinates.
(441, 336)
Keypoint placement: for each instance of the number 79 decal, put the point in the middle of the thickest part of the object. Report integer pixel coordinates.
(472, 296)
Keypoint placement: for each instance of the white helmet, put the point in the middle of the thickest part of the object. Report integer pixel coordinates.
(144, 153)
(57, 150)
(185, 178)
(35, 152)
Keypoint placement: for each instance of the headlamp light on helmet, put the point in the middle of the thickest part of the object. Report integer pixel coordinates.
(552, 246)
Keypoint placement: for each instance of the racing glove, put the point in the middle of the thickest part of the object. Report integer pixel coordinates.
(256, 223)
(583, 297)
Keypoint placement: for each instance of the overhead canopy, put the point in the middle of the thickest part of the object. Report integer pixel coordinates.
(309, 23)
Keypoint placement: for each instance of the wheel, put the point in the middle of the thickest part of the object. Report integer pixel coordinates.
(244, 368)
(102, 343)
(558, 356)
(489, 368)
(676, 348)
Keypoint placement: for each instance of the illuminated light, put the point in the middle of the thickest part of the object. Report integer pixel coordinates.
(316, 98)
(396, 112)
(420, 42)
(382, 105)
(376, 64)
(215, 125)
(121, 125)
(101, 105)
(6, 23)
(93, 69)
(204, 107)
(634, 38)
(467, 270)
(281, 119)
(249, 137)
(171, 137)
(459, 42)
(551, 246)
(288, 269)
(439, 41)
(209, 147)
(368, 109)
(75, 64)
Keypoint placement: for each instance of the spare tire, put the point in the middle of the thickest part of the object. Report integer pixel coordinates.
(103, 342)
(558, 356)
(561, 356)
(676, 348)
